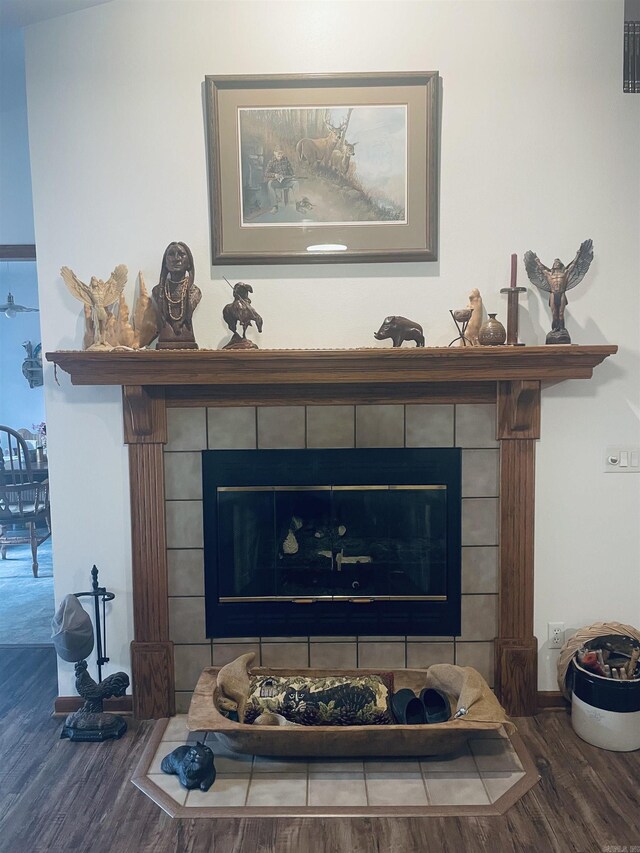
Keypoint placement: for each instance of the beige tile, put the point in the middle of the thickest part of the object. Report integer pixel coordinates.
(183, 476)
(455, 789)
(423, 655)
(329, 639)
(480, 470)
(176, 729)
(381, 655)
(402, 789)
(479, 617)
(333, 655)
(264, 764)
(171, 786)
(285, 655)
(186, 620)
(454, 762)
(232, 765)
(223, 653)
(279, 789)
(337, 789)
(186, 429)
(321, 766)
(479, 656)
(429, 426)
(189, 661)
(184, 524)
(183, 701)
(480, 569)
(163, 750)
(186, 571)
(281, 427)
(391, 766)
(497, 784)
(380, 426)
(330, 426)
(480, 521)
(429, 639)
(476, 425)
(232, 428)
(495, 755)
(226, 791)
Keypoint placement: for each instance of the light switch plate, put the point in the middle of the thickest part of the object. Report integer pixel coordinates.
(622, 460)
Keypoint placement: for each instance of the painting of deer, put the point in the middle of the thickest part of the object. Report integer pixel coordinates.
(316, 151)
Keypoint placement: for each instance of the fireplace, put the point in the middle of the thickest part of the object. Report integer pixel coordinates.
(327, 541)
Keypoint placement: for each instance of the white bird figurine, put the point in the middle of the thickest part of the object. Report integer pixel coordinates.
(10, 309)
(98, 295)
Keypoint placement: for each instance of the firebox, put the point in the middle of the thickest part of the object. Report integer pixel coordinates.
(332, 542)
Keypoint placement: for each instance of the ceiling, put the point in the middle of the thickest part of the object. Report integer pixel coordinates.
(22, 13)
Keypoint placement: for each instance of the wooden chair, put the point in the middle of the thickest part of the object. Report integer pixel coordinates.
(24, 502)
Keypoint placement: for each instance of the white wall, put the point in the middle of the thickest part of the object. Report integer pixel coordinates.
(539, 151)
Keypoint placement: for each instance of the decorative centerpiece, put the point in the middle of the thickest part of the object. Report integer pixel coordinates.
(513, 293)
(177, 297)
(241, 312)
(556, 281)
(97, 296)
(473, 328)
(492, 333)
(461, 318)
(400, 329)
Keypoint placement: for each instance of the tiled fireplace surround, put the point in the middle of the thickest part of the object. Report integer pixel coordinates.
(471, 427)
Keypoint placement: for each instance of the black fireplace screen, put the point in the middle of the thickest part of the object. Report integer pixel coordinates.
(332, 542)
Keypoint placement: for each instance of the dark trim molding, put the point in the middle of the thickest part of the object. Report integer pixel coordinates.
(551, 700)
(69, 704)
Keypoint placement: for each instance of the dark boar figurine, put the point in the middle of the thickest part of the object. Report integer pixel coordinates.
(193, 765)
(400, 329)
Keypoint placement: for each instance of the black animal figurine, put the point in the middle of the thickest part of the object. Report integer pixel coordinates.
(91, 723)
(193, 764)
(400, 329)
(240, 312)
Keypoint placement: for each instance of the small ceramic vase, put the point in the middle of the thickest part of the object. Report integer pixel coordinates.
(492, 333)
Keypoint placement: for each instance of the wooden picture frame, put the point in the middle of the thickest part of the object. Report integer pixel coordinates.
(287, 183)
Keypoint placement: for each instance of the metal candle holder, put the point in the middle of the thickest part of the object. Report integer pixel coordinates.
(99, 593)
(461, 318)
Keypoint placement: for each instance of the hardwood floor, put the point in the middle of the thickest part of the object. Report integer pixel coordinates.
(62, 797)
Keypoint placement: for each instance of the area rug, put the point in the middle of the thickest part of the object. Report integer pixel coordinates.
(486, 777)
(26, 603)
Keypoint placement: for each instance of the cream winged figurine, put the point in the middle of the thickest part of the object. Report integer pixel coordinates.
(97, 295)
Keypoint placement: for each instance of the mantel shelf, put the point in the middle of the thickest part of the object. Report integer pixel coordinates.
(330, 367)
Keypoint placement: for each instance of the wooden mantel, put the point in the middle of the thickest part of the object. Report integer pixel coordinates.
(510, 377)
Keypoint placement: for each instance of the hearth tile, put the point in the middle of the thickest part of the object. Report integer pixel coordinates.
(232, 765)
(171, 786)
(337, 789)
(285, 654)
(186, 429)
(497, 784)
(480, 569)
(277, 789)
(391, 766)
(476, 425)
(333, 655)
(239, 640)
(427, 639)
(380, 426)
(329, 639)
(479, 617)
(183, 476)
(176, 729)
(495, 755)
(189, 661)
(423, 655)
(381, 655)
(330, 426)
(397, 789)
(265, 764)
(429, 426)
(322, 766)
(382, 638)
(480, 469)
(281, 427)
(477, 655)
(479, 521)
(184, 524)
(186, 571)
(164, 749)
(226, 791)
(186, 620)
(223, 653)
(454, 762)
(183, 701)
(455, 789)
(232, 428)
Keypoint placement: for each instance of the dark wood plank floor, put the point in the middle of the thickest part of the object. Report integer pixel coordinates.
(61, 796)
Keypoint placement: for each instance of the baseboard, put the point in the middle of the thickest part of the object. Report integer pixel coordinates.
(551, 700)
(69, 704)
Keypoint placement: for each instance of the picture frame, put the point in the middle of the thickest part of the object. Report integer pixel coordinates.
(323, 168)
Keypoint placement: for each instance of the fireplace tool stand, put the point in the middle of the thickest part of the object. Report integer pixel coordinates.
(91, 722)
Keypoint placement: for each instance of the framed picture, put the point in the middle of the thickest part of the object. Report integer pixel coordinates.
(318, 169)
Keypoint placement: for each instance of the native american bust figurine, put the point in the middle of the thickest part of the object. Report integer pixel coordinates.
(177, 297)
(556, 281)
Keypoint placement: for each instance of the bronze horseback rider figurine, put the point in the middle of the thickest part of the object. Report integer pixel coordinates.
(240, 312)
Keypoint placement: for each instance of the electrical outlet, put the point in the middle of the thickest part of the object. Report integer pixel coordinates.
(622, 460)
(555, 633)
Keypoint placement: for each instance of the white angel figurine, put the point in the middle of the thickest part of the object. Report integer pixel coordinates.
(98, 295)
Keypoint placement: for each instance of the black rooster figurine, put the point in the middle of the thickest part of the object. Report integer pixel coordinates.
(90, 722)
